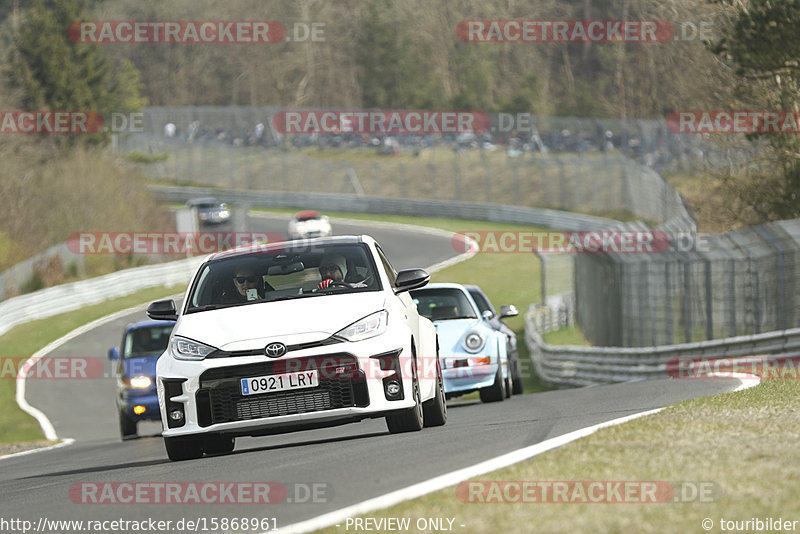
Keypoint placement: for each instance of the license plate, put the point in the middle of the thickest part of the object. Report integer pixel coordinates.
(282, 382)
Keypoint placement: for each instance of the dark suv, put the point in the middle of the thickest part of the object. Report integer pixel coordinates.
(135, 372)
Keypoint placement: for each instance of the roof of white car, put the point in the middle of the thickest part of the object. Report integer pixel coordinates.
(278, 245)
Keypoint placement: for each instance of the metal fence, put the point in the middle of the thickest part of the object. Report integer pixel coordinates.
(738, 283)
(225, 147)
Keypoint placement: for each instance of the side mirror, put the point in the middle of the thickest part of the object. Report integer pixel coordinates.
(508, 310)
(408, 279)
(113, 353)
(163, 310)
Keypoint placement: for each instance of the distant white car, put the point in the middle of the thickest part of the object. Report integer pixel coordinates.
(263, 345)
(308, 224)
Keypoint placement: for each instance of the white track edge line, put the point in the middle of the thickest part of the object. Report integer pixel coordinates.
(43, 420)
(420, 489)
(449, 479)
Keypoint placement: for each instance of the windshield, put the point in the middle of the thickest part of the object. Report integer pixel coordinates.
(441, 304)
(146, 341)
(287, 273)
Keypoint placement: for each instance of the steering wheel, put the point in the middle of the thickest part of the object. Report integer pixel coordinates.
(332, 284)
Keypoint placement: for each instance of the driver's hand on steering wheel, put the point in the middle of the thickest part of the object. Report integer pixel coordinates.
(325, 283)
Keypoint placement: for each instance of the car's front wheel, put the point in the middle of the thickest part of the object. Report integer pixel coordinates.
(497, 391)
(435, 409)
(516, 377)
(127, 426)
(409, 420)
(183, 448)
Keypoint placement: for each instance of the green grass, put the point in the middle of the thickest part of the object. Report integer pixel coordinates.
(24, 340)
(566, 336)
(739, 445)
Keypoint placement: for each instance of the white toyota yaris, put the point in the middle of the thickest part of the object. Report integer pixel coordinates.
(291, 336)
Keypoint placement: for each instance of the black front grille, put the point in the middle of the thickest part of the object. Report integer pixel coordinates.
(341, 385)
(260, 352)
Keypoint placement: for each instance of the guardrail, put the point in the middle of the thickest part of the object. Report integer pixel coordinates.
(76, 295)
(480, 211)
(569, 365)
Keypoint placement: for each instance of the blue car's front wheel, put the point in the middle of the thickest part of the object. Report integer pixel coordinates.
(127, 426)
(497, 391)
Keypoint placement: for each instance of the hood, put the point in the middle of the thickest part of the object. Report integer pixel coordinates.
(294, 321)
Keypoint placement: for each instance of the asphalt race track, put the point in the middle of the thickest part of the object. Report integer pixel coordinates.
(322, 470)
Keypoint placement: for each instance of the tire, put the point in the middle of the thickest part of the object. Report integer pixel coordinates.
(184, 448)
(508, 383)
(410, 420)
(127, 426)
(516, 378)
(497, 391)
(218, 444)
(435, 410)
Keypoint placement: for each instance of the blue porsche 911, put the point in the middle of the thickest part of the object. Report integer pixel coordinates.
(473, 354)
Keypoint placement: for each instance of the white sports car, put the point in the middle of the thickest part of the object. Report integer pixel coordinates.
(266, 343)
(307, 224)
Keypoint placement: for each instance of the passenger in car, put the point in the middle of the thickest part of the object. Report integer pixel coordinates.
(247, 285)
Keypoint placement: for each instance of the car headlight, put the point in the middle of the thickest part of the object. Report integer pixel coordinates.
(473, 342)
(370, 326)
(187, 349)
(141, 382)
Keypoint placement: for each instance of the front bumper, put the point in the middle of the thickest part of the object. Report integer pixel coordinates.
(351, 388)
(148, 400)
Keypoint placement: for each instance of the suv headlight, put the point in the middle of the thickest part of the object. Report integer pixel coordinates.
(473, 342)
(370, 326)
(187, 349)
(140, 382)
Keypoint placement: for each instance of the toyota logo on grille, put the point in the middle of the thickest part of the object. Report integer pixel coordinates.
(275, 350)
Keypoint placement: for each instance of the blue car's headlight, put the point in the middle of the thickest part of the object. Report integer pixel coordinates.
(141, 382)
(473, 342)
(370, 326)
(187, 349)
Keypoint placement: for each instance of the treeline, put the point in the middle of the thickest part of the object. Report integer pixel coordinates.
(405, 54)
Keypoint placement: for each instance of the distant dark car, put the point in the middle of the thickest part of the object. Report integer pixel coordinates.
(210, 211)
(496, 322)
(308, 224)
(135, 372)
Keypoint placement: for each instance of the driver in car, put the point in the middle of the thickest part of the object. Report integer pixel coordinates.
(330, 273)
